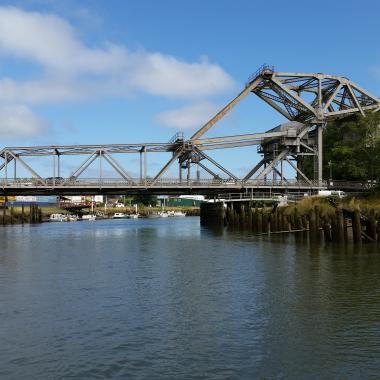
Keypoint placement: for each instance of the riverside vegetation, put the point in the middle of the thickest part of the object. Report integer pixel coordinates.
(354, 219)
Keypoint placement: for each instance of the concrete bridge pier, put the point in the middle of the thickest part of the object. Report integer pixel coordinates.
(212, 214)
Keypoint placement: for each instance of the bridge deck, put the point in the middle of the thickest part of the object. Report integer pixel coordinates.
(164, 186)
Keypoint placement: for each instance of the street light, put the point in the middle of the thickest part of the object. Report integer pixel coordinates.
(330, 167)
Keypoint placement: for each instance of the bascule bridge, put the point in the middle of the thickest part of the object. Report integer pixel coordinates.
(307, 100)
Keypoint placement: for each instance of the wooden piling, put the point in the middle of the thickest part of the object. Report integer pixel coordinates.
(371, 226)
(326, 226)
(260, 221)
(312, 224)
(356, 227)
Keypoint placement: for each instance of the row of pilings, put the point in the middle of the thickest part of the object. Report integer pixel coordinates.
(338, 226)
(25, 214)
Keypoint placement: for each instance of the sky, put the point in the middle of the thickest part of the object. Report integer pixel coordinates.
(92, 72)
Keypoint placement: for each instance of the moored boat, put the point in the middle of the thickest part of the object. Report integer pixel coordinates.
(58, 218)
(119, 215)
(89, 217)
(133, 216)
(177, 213)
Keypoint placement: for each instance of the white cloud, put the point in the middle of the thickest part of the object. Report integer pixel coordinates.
(160, 74)
(73, 70)
(51, 41)
(19, 121)
(192, 116)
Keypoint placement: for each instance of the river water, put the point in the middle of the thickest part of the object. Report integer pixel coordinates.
(168, 299)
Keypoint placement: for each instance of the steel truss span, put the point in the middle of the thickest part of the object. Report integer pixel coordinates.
(308, 101)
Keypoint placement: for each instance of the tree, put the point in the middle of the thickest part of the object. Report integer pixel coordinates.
(145, 199)
(353, 148)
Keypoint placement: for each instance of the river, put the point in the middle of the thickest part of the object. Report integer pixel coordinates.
(168, 299)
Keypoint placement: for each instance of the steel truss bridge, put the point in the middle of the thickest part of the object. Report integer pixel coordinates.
(307, 101)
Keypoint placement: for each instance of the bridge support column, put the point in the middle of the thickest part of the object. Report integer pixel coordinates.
(212, 213)
(6, 168)
(320, 154)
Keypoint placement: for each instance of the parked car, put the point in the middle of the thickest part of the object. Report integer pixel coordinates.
(117, 205)
(331, 193)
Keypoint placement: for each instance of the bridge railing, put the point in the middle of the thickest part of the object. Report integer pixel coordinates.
(259, 71)
(351, 185)
(146, 183)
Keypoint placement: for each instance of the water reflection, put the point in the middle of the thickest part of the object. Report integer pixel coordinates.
(171, 299)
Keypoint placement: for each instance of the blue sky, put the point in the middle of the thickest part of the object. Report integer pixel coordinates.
(81, 72)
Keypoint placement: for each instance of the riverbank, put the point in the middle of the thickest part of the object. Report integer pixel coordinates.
(36, 214)
(329, 219)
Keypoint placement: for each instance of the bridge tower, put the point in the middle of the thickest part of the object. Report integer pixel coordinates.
(310, 100)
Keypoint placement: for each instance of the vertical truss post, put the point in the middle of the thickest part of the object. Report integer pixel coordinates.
(54, 170)
(188, 170)
(141, 165)
(56, 153)
(6, 167)
(100, 166)
(14, 170)
(180, 171)
(320, 154)
(265, 170)
(145, 164)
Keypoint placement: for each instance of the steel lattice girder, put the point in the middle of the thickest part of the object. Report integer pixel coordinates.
(310, 98)
(314, 98)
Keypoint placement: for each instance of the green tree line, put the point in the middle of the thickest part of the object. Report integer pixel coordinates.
(351, 148)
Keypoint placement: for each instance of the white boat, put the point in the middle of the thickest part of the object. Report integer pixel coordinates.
(178, 213)
(72, 218)
(119, 215)
(133, 216)
(89, 217)
(58, 218)
(163, 214)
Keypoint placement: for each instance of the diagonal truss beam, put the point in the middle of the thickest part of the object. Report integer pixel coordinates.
(355, 100)
(167, 166)
(270, 167)
(85, 164)
(299, 172)
(204, 155)
(332, 97)
(297, 98)
(226, 109)
(208, 170)
(255, 169)
(6, 162)
(281, 175)
(118, 168)
(26, 166)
